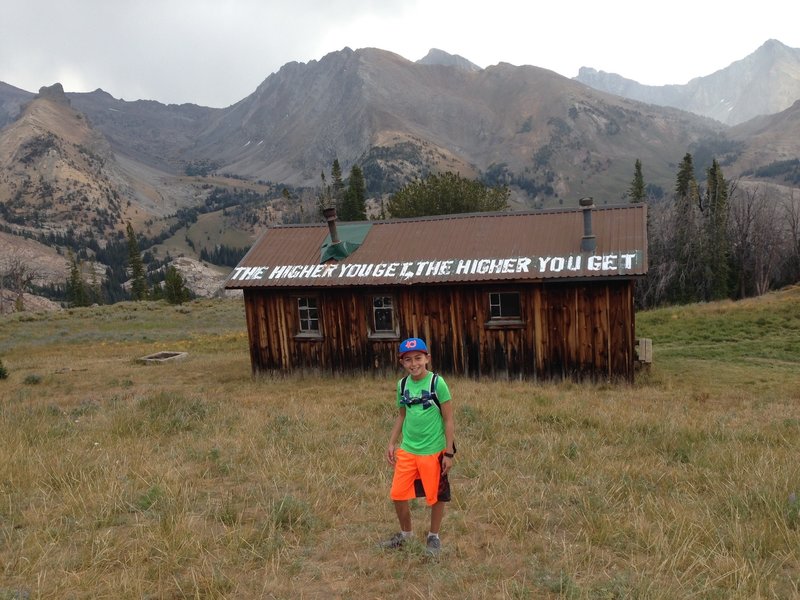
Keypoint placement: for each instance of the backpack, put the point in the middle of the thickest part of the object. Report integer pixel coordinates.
(431, 393)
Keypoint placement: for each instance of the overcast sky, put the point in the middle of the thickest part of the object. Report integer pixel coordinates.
(216, 52)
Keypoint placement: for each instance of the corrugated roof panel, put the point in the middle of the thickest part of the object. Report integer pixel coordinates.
(455, 248)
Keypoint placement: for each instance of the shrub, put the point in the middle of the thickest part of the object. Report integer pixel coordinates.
(290, 514)
(3, 371)
(150, 498)
(168, 414)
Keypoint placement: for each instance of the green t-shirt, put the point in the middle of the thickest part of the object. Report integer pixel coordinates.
(423, 428)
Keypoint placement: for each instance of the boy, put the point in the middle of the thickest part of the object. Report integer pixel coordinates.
(427, 447)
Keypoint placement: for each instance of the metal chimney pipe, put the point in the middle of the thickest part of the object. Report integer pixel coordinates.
(588, 241)
(330, 216)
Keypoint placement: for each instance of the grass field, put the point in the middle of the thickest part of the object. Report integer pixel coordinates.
(209, 231)
(194, 480)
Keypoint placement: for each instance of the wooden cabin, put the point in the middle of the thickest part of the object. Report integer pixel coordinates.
(525, 295)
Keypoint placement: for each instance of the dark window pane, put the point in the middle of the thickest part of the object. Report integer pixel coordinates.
(504, 305)
(383, 313)
(511, 307)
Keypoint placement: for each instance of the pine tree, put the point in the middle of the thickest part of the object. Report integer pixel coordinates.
(156, 292)
(76, 288)
(685, 177)
(175, 291)
(444, 194)
(687, 285)
(354, 207)
(637, 192)
(136, 267)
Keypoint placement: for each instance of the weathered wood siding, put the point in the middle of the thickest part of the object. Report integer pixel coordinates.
(568, 330)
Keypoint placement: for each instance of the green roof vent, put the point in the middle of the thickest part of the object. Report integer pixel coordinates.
(341, 241)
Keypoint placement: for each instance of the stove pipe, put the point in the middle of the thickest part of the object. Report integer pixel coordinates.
(330, 216)
(588, 241)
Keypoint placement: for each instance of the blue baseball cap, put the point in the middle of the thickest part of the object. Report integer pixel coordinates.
(413, 345)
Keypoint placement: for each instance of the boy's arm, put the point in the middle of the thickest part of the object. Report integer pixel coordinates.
(449, 434)
(396, 429)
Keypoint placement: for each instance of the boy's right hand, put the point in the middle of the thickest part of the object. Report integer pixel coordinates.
(390, 455)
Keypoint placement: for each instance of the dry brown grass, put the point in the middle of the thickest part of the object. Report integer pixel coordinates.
(192, 479)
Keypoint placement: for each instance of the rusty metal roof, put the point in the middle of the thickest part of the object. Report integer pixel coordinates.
(485, 247)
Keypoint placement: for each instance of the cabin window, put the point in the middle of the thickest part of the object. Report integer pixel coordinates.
(383, 323)
(504, 305)
(308, 314)
(383, 313)
(505, 310)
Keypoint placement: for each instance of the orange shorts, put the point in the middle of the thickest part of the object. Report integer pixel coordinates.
(409, 468)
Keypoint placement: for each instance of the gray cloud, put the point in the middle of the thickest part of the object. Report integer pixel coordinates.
(207, 52)
(216, 52)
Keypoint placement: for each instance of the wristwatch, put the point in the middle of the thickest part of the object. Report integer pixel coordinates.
(448, 454)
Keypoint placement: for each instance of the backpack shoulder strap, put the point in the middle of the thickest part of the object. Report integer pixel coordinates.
(403, 384)
(432, 391)
(435, 398)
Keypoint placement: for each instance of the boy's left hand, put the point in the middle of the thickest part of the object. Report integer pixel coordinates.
(447, 463)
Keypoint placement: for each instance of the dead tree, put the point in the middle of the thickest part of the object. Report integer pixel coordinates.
(758, 241)
(15, 277)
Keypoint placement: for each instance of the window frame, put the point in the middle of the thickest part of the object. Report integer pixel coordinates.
(373, 333)
(307, 334)
(502, 321)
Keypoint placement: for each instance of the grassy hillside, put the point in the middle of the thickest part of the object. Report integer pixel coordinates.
(192, 479)
(209, 231)
(753, 342)
(212, 230)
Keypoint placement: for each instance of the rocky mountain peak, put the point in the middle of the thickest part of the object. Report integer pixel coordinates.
(773, 45)
(54, 93)
(62, 171)
(440, 57)
(741, 91)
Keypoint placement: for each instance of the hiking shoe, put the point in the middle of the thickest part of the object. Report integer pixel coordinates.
(396, 541)
(433, 546)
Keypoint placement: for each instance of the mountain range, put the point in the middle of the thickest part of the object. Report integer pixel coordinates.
(763, 83)
(82, 165)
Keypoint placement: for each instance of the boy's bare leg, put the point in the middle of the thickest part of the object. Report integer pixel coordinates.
(403, 511)
(437, 514)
